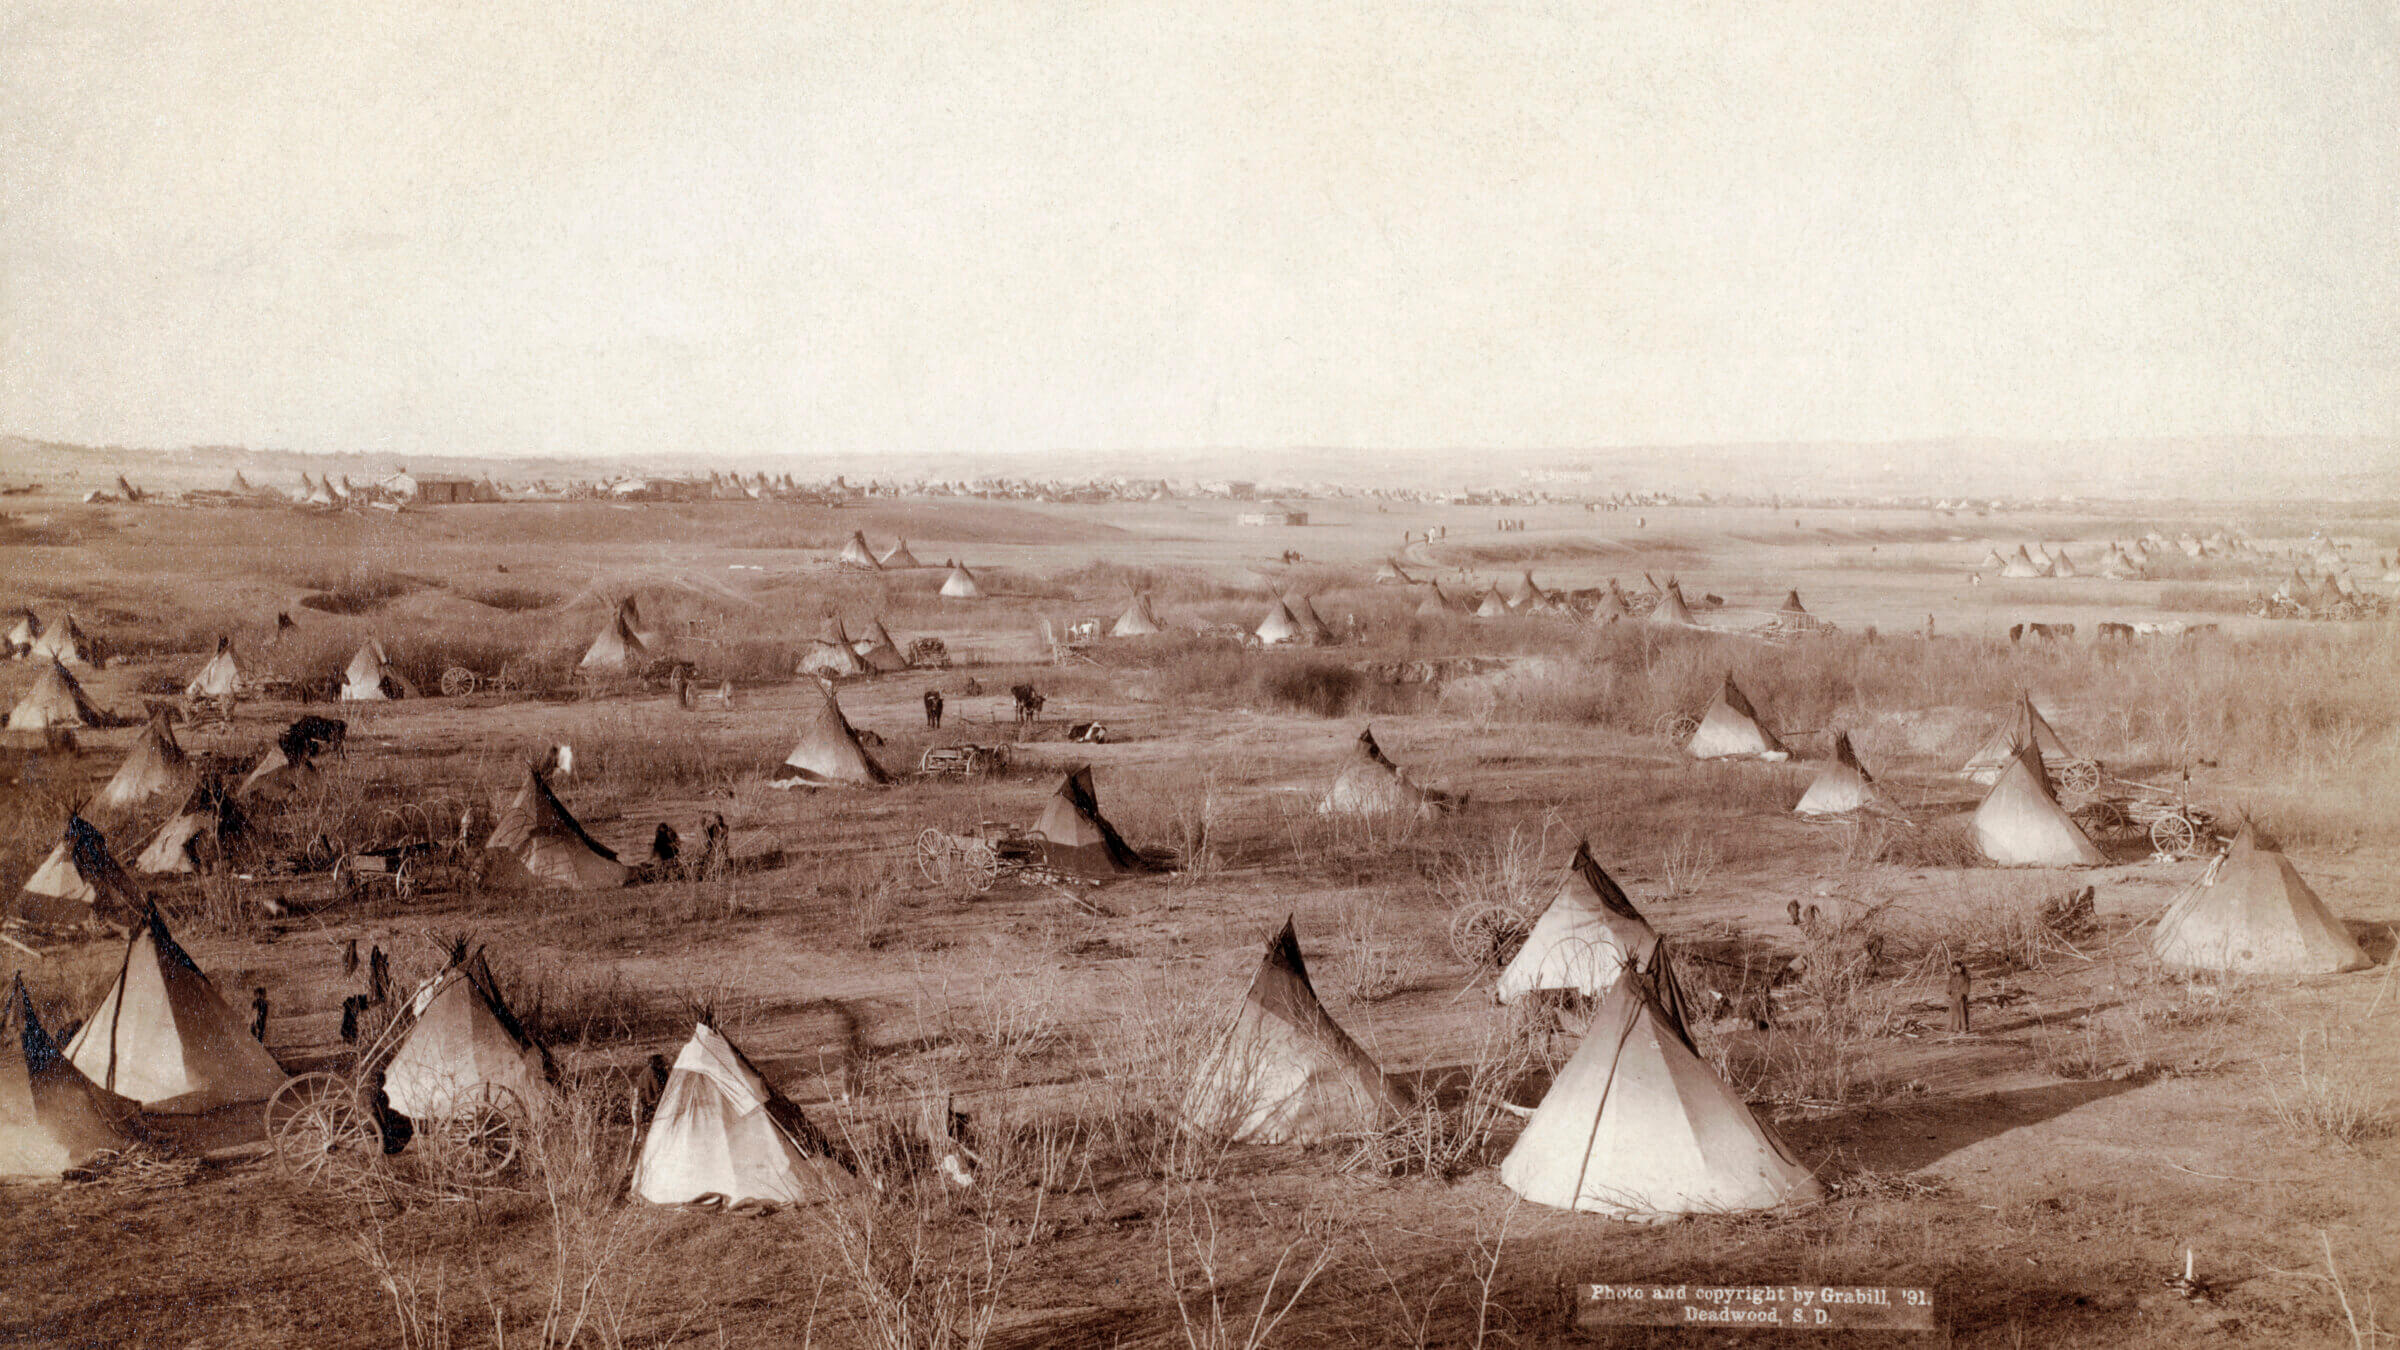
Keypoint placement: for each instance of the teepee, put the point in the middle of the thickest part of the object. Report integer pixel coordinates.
(1843, 785)
(23, 633)
(2025, 725)
(1137, 620)
(1611, 605)
(877, 649)
(1437, 601)
(162, 1036)
(1075, 838)
(1305, 614)
(618, 647)
(828, 754)
(2021, 565)
(1392, 574)
(2021, 824)
(1993, 561)
(900, 556)
(961, 584)
(1671, 612)
(831, 656)
(2259, 918)
(155, 766)
(1587, 937)
(1521, 591)
(536, 829)
(55, 700)
(1280, 626)
(170, 848)
(1371, 785)
(220, 678)
(1730, 729)
(1285, 1071)
(2061, 565)
(462, 1036)
(722, 1133)
(1791, 604)
(363, 681)
(274, 769)
(1638, 1125)
(64, 643)
(79, 884)
(856, 553)
(51, 1116)
(1493, 605)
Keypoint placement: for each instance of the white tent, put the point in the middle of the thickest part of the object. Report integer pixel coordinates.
(1671, 611)
(1370, 784)
(1638, 1125)
(828, 754)
(1588, 936)
(1074, 837)
(79, 885)
(2022, 565)
(463, 1037)
(1843, 785)
(1731, 729)
(2260, 917)
(2024, 725)
(162, 1036)
(617, 648)
(832, 656)
(1285, 1071)
(64, 643)
(51, 1116)
(536, 829)
(363, 681)
(961, 584)
(900, 557)
(1137, 620)
(1279, 626)
(2021, 824)
(1493, 605)
(220, 678)
(55, 700)
(878, 651)
(720, 1134)
(23, 633)
(855, 553)
(1305, 614)
(155, 766)
(170, 849)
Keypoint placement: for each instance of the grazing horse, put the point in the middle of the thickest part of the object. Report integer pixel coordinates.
(2121, 632)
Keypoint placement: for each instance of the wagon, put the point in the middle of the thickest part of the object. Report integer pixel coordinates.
(327, 1133)
(963, 761)
(929, 653)
(512, 677)
(979, 860)
(2166, 816)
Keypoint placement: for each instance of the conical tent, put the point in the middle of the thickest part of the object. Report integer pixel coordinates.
(1280, 626)
(1392, 574)
(463, 1037)
(2024, 725)
(1843, 785)
(1637, 1124)
(722, 1132)
(1493, 605)
(2021, 824)
(1791, 604)
(1730, 728)
(23, 633)
(170, 849)
(832, 656)
(2061, 565)
(274, 769)
(1285, 1071)
(363, 681)
(64, 643)
(900, 556)
(617, 648)
(79, 884)
(51, 1116)
(1611, 605)
(2021, 565)
(1137, 620)
(537, 830)
(876, 648)
(1076, 838)
(1370, 784)
(631, 608)
(856, 553)
(155, 766)
(1523, 589)
(55, 700)
(2260, 918)
(1671, 612)
(961, 584)
(1437, 601)
(220, 678)
(1305, 614)
(828, 754)
(1994, 561)
(1586, 938)
(162, 1036)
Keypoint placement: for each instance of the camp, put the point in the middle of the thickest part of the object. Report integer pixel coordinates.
(1843, 785)
(1730, 729)
(2021, 565)
(55, 700)
(51, 1116)
(1305, 614)
(1589, 934)
(220, 678)
(2259, 918)
(162, 1036)
(1392, 574)
(462, 1037)
(1437, 601)
(722, 1134)
(1285, 1071)
(154, 767)
(2021, 824)
(2023, 725)
(536, 829)
(1638, 1125)
(1137, 620)
(1371, 784)
(1076, 839)
(828, 754)
(961, 584)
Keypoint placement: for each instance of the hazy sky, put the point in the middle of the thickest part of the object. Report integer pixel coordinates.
(642, 226)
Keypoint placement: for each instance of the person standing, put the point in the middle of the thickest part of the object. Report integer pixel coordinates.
(379, 975)
(258, 1015)
(1960, 989)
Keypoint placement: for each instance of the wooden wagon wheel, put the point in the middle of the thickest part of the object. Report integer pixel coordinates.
(479, 1137)
(1676, 728)
(2101, 816)
(933, 856)
(2080, 776)
(2174, 835)
(983, 866)
(321, 1133)
(1490, 933)
(458, 682)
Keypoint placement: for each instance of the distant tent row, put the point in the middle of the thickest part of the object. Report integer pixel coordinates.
(1293, 621)
(855, 553)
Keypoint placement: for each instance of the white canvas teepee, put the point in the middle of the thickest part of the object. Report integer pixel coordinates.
(1074, 837)
(55, 700)
(2024, 725)
(618, 647)
(170, 849)
(463, 1038)
(961, 584)
(64, 643)
(832, 656)
(1843, 785)
(2021, 824)
(2021, 565)
(900, 557)
(1372, 785)
(855, 553)
(1280, 626)
(79, 885)
(536, 829)
(1304, 612)
(828, 754)
(1437, 601)
(51, 1116)
(1285, 1071)
(720, 1135)
(22, 633)
(363, 681)
(2260, 917)
(162, 1036)
(878, 651)
(1137, 620)
(1730, 729)
(1589, 935)
(1638, 1125)
(1493, 605)
(221, 677)
(1671, 611)
(154, 767)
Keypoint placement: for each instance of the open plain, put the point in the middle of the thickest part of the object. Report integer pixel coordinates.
(2043, 1174)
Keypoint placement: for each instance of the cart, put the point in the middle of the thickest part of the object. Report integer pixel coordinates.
(929, 653)
(980, 859)
(2164, 815)
(512, 677)
(963, 761)
(327, 1134)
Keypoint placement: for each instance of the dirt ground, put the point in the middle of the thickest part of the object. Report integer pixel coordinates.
(2042, 1175)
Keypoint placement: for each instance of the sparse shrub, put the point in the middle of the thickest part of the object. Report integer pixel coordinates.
(1317, 687)
(2327, 1098)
